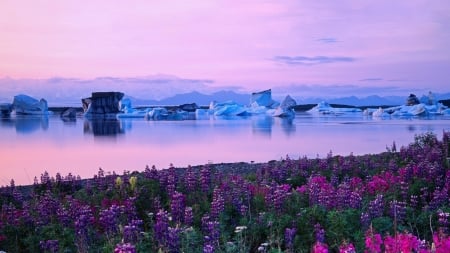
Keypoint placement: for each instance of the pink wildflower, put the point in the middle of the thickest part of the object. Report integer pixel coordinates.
(347, 248)
(373, 242)
(320, 248)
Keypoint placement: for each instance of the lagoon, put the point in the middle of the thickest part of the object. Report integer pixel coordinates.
(31, 145)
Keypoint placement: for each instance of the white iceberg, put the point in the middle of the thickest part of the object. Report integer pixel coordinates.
(418, 110)
(161, 113)
(263, 98)
(24, 104)
(380, 113)
(127, 110)
(229, 108)
(285, 109)
(325, 108)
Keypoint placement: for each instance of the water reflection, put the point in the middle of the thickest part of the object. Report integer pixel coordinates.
(288, 126)
(263, 125)
(26, 124)
(103, 127)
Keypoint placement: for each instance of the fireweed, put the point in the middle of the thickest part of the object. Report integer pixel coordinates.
(395, 201)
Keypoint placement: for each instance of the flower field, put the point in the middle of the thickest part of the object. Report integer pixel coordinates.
(396, 201)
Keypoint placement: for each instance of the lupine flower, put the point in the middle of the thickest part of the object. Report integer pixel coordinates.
(208, 248)
(109, 218)
(190, 179)
(276, 196)
(151, 173)
(443, 221)
(289, 235)
(125, 248)
(376, 207)
(49, 246)
(177, 207)
(188, 216)
(161, 227)
(173, 239)
(218, 203)
(398, 210)
(243, 210)
(205, 179)
(319, 233)
(132, 231)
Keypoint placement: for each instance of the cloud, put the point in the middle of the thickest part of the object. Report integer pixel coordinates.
(309, 61)
(70, 90)
(376, 79)
(327, 40)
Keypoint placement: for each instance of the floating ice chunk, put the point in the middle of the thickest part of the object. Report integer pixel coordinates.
(286, 108)
(202, 113)
(417, 110)
(229, 108)
(133, 114)
(24, 104)
(256, 109)
(160, 113)
(127, 110)
(380, 113)
(264, 98)
(125, 106)
(322, 107)
(325, 108)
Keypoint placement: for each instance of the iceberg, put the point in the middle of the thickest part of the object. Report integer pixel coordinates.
(24, 104)
(161, 113)
(261, 103)
(418, 110)
(263, 98)
(325, 108)
(127, 110)
(229, 108)
(286, 108)
(102, 104)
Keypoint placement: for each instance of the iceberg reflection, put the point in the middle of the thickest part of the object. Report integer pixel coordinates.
(103, 127)
(26, 124)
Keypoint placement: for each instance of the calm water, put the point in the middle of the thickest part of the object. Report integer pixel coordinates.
(31, 145)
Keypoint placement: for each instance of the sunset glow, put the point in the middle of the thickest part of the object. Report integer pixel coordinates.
(249, 44)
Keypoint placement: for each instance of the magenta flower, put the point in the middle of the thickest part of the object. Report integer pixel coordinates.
(320, 248)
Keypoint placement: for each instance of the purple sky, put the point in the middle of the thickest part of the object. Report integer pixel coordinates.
(370, 46)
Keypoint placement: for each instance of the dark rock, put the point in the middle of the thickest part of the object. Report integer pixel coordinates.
(5, 109)
(69, 113)
(412, 100)
(189, 107)
(445, 102)
(102, 103)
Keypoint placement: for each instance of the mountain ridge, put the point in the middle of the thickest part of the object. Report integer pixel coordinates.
(203, 99)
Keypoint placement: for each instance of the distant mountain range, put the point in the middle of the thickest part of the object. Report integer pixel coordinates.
(195, 97)
(221, 96)
(227, 95)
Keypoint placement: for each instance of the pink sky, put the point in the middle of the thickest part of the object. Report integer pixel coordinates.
(252, 44)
